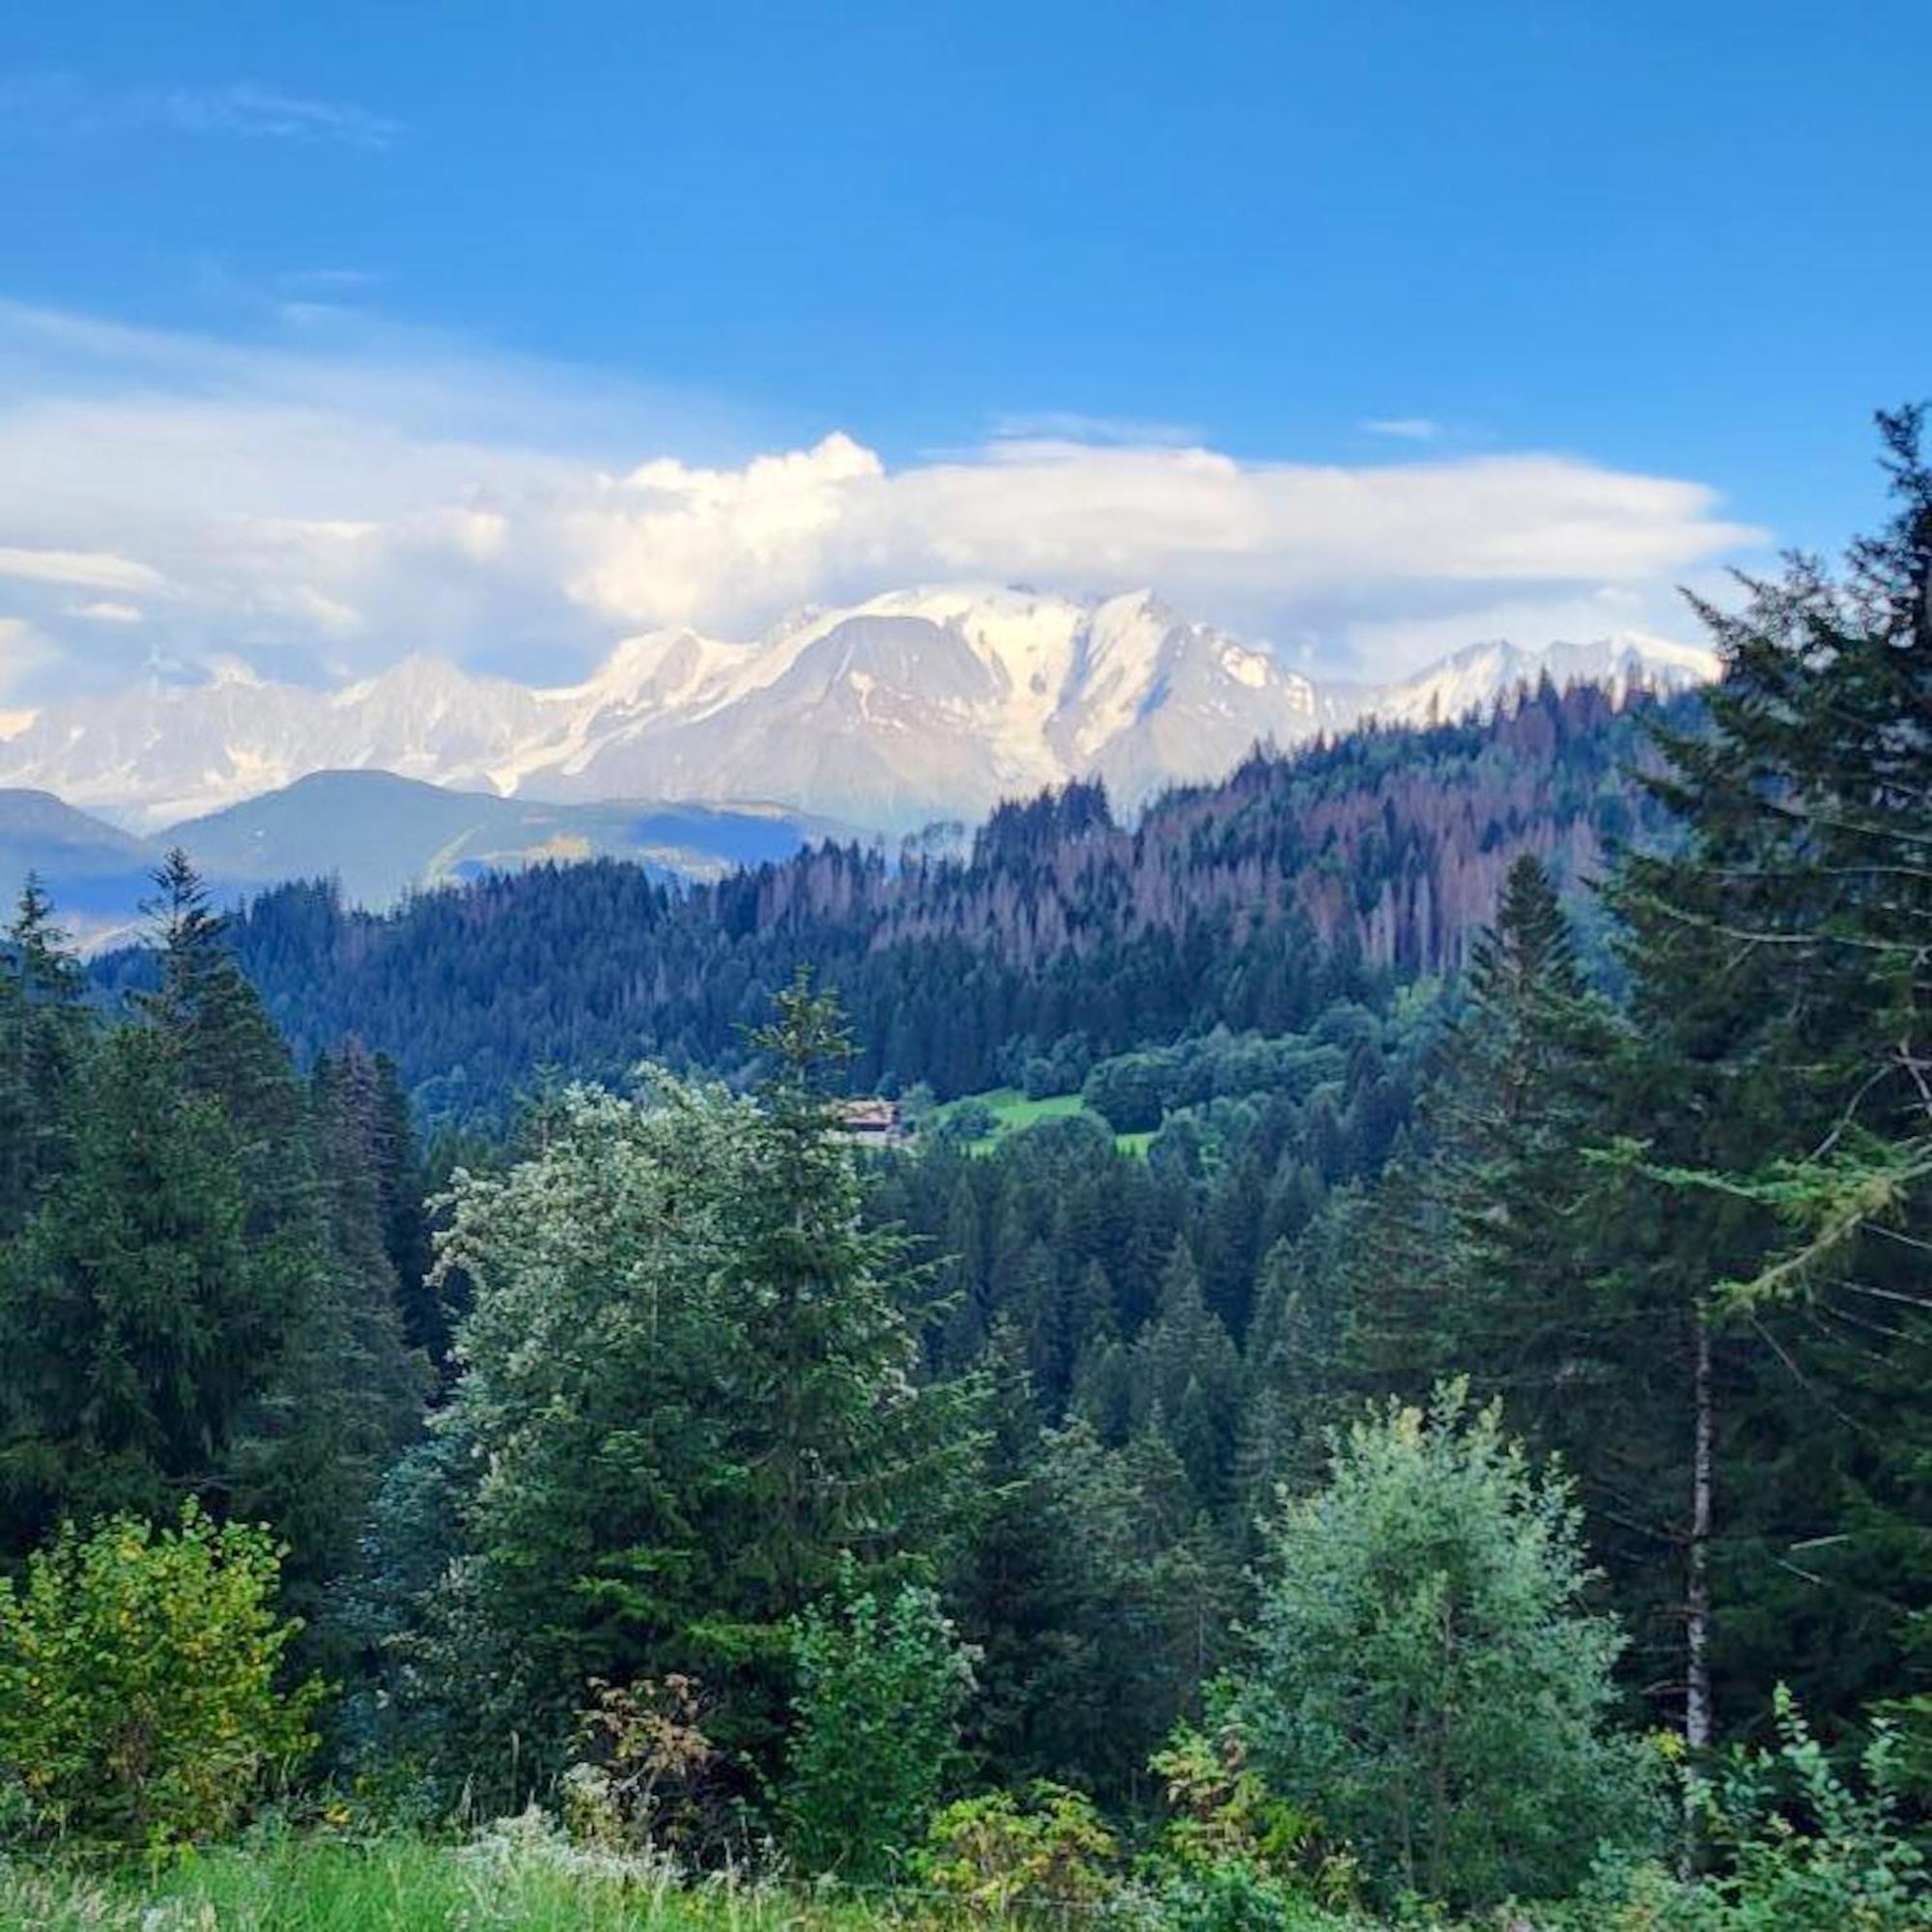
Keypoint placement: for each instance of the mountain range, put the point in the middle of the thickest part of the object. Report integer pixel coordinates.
(913, 706)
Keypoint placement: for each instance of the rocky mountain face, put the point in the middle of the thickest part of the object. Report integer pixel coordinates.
(915, 705)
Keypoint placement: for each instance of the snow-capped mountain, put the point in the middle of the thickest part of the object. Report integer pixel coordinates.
(914, 705)
(1478, 674)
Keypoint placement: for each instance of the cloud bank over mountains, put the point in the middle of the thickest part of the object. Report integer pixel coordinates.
(340, 495)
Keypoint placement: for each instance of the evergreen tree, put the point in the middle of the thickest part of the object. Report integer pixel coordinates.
(1184, 1381)
(44, 1029)
(852, 1453)
(690, 1391)
(402, 1193)
(214, 1023)
(353, 1388)
(135, 1331)
(1143, 1590)
(1525, 1313)
(1777, 1104)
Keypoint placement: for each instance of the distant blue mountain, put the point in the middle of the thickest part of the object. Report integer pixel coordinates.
(97, 873)
(380, 838)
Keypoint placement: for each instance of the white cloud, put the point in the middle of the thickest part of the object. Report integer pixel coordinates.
(63, 106)
(1406, 429)
(1356, 558)
(1072, 426)
(318, 513)
(91, 569)
(105, 610)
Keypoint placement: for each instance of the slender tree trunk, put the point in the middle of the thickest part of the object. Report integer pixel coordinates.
(1697, 1579)
(1698, 1594)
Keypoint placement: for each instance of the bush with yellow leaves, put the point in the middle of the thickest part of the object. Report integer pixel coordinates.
(139, 1701)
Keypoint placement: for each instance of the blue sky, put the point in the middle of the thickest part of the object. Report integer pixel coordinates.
(1656, 242)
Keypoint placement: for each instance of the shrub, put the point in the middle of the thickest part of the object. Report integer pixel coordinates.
(1235, 1895)
(997, 1854)
(1226, 1820)
(880, 1688)
(1424, 1677)
(966, 1121)
(1794, 1846)
(643, 1774)
(138, 1700)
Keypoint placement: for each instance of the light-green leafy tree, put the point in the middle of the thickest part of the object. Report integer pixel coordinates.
(1424, 1676)
(881, 1684)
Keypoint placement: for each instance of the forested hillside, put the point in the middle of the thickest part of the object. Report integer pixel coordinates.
(1333, 872)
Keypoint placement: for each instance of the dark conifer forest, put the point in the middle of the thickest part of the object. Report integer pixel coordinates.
(1388, 1375)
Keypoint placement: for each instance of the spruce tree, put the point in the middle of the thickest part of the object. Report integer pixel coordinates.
(1774, 1126)
(1522, 1080)
(135, 1332)
(353, 1388)
(44, 1030)
(691, 1393)
(853, 1453)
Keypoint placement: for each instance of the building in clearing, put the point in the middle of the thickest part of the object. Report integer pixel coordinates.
(871, 1122)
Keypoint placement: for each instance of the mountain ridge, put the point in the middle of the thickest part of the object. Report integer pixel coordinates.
(912, 706)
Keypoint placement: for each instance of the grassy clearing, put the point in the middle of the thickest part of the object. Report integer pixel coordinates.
(1012, 1112)
(319, 1885)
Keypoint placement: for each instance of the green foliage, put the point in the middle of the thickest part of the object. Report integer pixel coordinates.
(966, 1122)
(1001, 1854)
(1794, 1845)
(1809, 819)
(1234, 1894)
(135, 1328)
(1222, 1811)
(203, 1298)
(688, 1393)
(1142, 1591)
(880, 1689)
(1232, 1857)
(515, 1878)
(1768, 1170)
(138, 1667)
(1424, 1676)
(43, 1035)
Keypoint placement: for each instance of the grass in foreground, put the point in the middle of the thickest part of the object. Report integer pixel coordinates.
(317, 1885)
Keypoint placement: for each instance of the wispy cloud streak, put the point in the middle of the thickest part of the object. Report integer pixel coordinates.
(54, 106)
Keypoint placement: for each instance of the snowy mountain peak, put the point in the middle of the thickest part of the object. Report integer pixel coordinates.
(915, 704)
(1480, 674)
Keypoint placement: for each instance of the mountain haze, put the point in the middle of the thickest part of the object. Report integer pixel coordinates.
(380, 835)
(377, 838)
